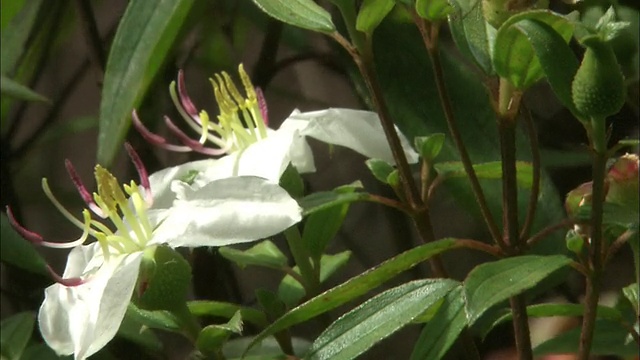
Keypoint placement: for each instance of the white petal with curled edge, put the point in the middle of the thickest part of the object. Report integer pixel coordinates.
(267, 158)
(227, 211)
(82, 319)
(358, 130)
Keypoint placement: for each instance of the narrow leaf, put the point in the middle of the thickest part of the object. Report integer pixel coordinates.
(356, 286)
(290, 291)
(326, 199)
(322, 226)
(371, 14)
(264, 254)
(17, 251)
(361, 328)
(443, 329)
(434, 10)
(490, 170)
(11, 88)
(609, 338)
(491, 283)
(201, 308)
(472, 34)
(15, 334)
(301, 13)
(141, 44)
(14, 37)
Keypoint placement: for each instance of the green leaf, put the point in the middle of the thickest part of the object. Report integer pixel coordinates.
(140, 46)
(213, 337)
(291, 291)
(443, 329)
(433, 10)
(380, 169)
(42, 352)
(361, 328)
(429, 146)
(322, 226)
(301, 13)
(8, 11)
(268, 349)
(16, 333)
(264, 254)
(490, 170)
(513, 56)
(490, 283)
(18, 91)
(472, 34)
(609, 338)
(139, 334)
(371, 14)
(17, 251)
(631, 293)
(14, 38)
(222, 309)
(550, 310)
(356, 286)
(155, 319)
(327, 199)
(557, 61)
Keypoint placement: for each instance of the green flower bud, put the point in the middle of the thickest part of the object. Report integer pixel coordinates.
(574, 241)
(598, 88)
(496, 12)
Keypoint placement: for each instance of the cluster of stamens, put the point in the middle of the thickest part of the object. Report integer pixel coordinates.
(125, 209)
(242, 121)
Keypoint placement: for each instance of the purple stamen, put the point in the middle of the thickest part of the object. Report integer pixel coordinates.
(75, 281)
(155, 139)
(26, 234)
(195, 145)
(262, 103)
(82, 190)
(185, 100)
(142, 171)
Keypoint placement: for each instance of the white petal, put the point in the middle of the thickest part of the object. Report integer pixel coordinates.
(82, 319)
(161, 181)
(227, 211)
(267, 158)
(358, 130)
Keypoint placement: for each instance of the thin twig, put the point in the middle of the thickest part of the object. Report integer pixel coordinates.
(566, 223)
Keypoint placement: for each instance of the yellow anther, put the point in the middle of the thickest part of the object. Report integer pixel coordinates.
(248, 86)
(109, 188)
(233, 90)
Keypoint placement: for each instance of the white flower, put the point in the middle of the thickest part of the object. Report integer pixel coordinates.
(83, 310)
(250, 148)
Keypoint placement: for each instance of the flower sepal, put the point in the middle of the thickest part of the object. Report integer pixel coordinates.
(164, 280)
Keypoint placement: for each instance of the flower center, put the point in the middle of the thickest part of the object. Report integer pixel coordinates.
(242, 119)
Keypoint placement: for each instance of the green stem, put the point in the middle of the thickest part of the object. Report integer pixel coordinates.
(536, 165)
(599, 145)
(302, 259)
(349, 15)
(188, 322)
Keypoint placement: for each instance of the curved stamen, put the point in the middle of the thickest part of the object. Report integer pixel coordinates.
(75, 281)
(82, 190)
(26, 234)
(185, 100)
(56, 203)
(37, 239)
(142, 172)
(153, 138)
(194, 144)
